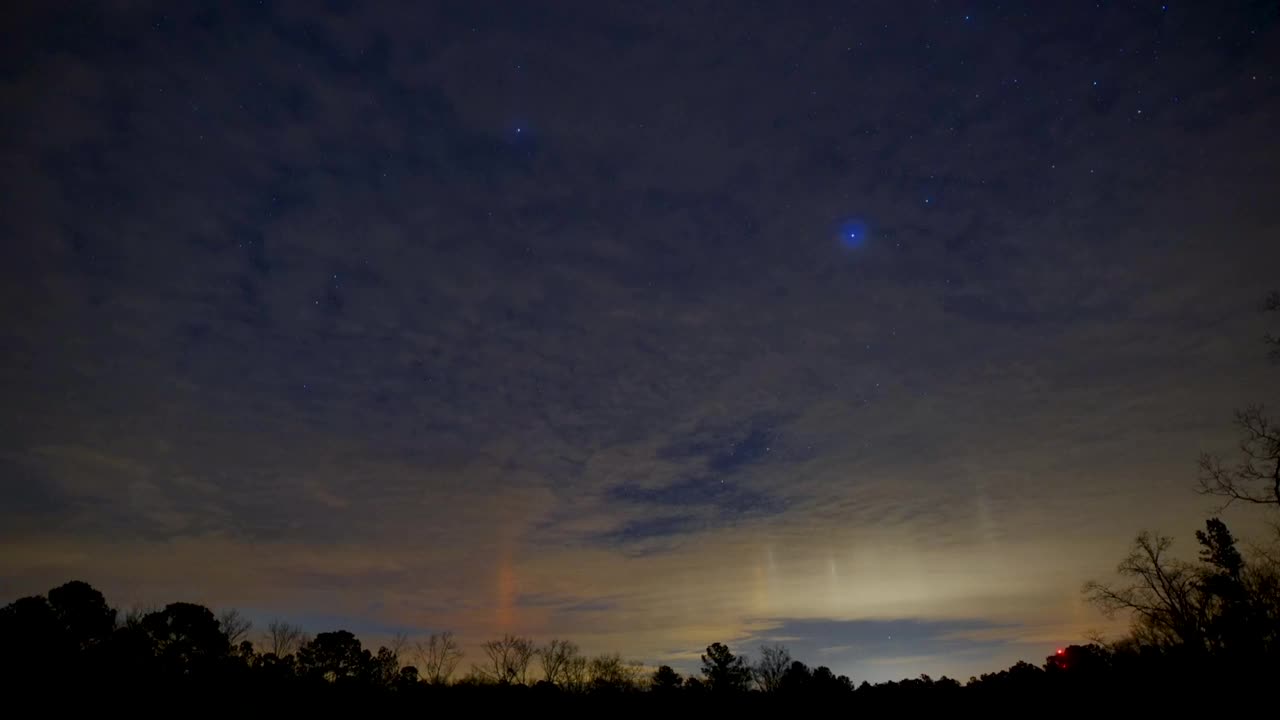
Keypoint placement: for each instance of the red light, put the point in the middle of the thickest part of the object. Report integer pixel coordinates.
(1061, 651)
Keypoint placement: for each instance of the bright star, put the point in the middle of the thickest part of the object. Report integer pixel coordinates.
(853, 234)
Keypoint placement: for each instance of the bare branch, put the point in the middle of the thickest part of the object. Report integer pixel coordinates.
(1162, 595)
(438, 657)
(283, 639)
(575, 673)
(234, 625)
(769, 669)
(1256, 478)
(556, 657)
(398, 644)
(508, 660)
(610, 672)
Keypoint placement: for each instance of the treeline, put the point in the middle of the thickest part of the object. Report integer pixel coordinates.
(1196, 627)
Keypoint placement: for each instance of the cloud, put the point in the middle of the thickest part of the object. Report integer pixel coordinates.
(652, 528)
(879, 650)
(298, 323)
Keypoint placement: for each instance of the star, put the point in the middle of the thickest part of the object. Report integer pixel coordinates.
(853, 234)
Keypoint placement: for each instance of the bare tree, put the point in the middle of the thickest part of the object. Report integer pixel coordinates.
(283, 639)
(1162, 595)
(508, 660)
(610, 672)
(234, 625)
(575, 674)
(555, 657)
(773, 663)
(398, 644)
(439, 657)
(1256, 478)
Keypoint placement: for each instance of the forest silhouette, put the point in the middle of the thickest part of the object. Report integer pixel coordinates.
(1208, 628)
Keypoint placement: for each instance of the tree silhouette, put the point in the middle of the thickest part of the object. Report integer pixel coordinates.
(334, 656)
(384, 667)
(83, 613)
(1211, 624)
(508, 660)
(408, 678)
(796, 678)
(32, 639)
(824, 681)
(282, 638)
(576, 674)
(609, 673)
(723, 671)
(665, 679)
(275, 669)
(1255, 478)
(1225, 608)
(439, 657)
(1239, 600)
(186, 638)
(772, 665)
(556, 656)
(69, 627)
(1092, 660)
(234, 625)
(1218, 551)
(1160, 594)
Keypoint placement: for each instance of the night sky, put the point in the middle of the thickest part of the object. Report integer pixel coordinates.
(873, 328)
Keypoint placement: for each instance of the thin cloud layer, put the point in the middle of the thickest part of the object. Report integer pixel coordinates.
(539, 321)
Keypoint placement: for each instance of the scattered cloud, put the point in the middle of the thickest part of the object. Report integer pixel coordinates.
(362, 322)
